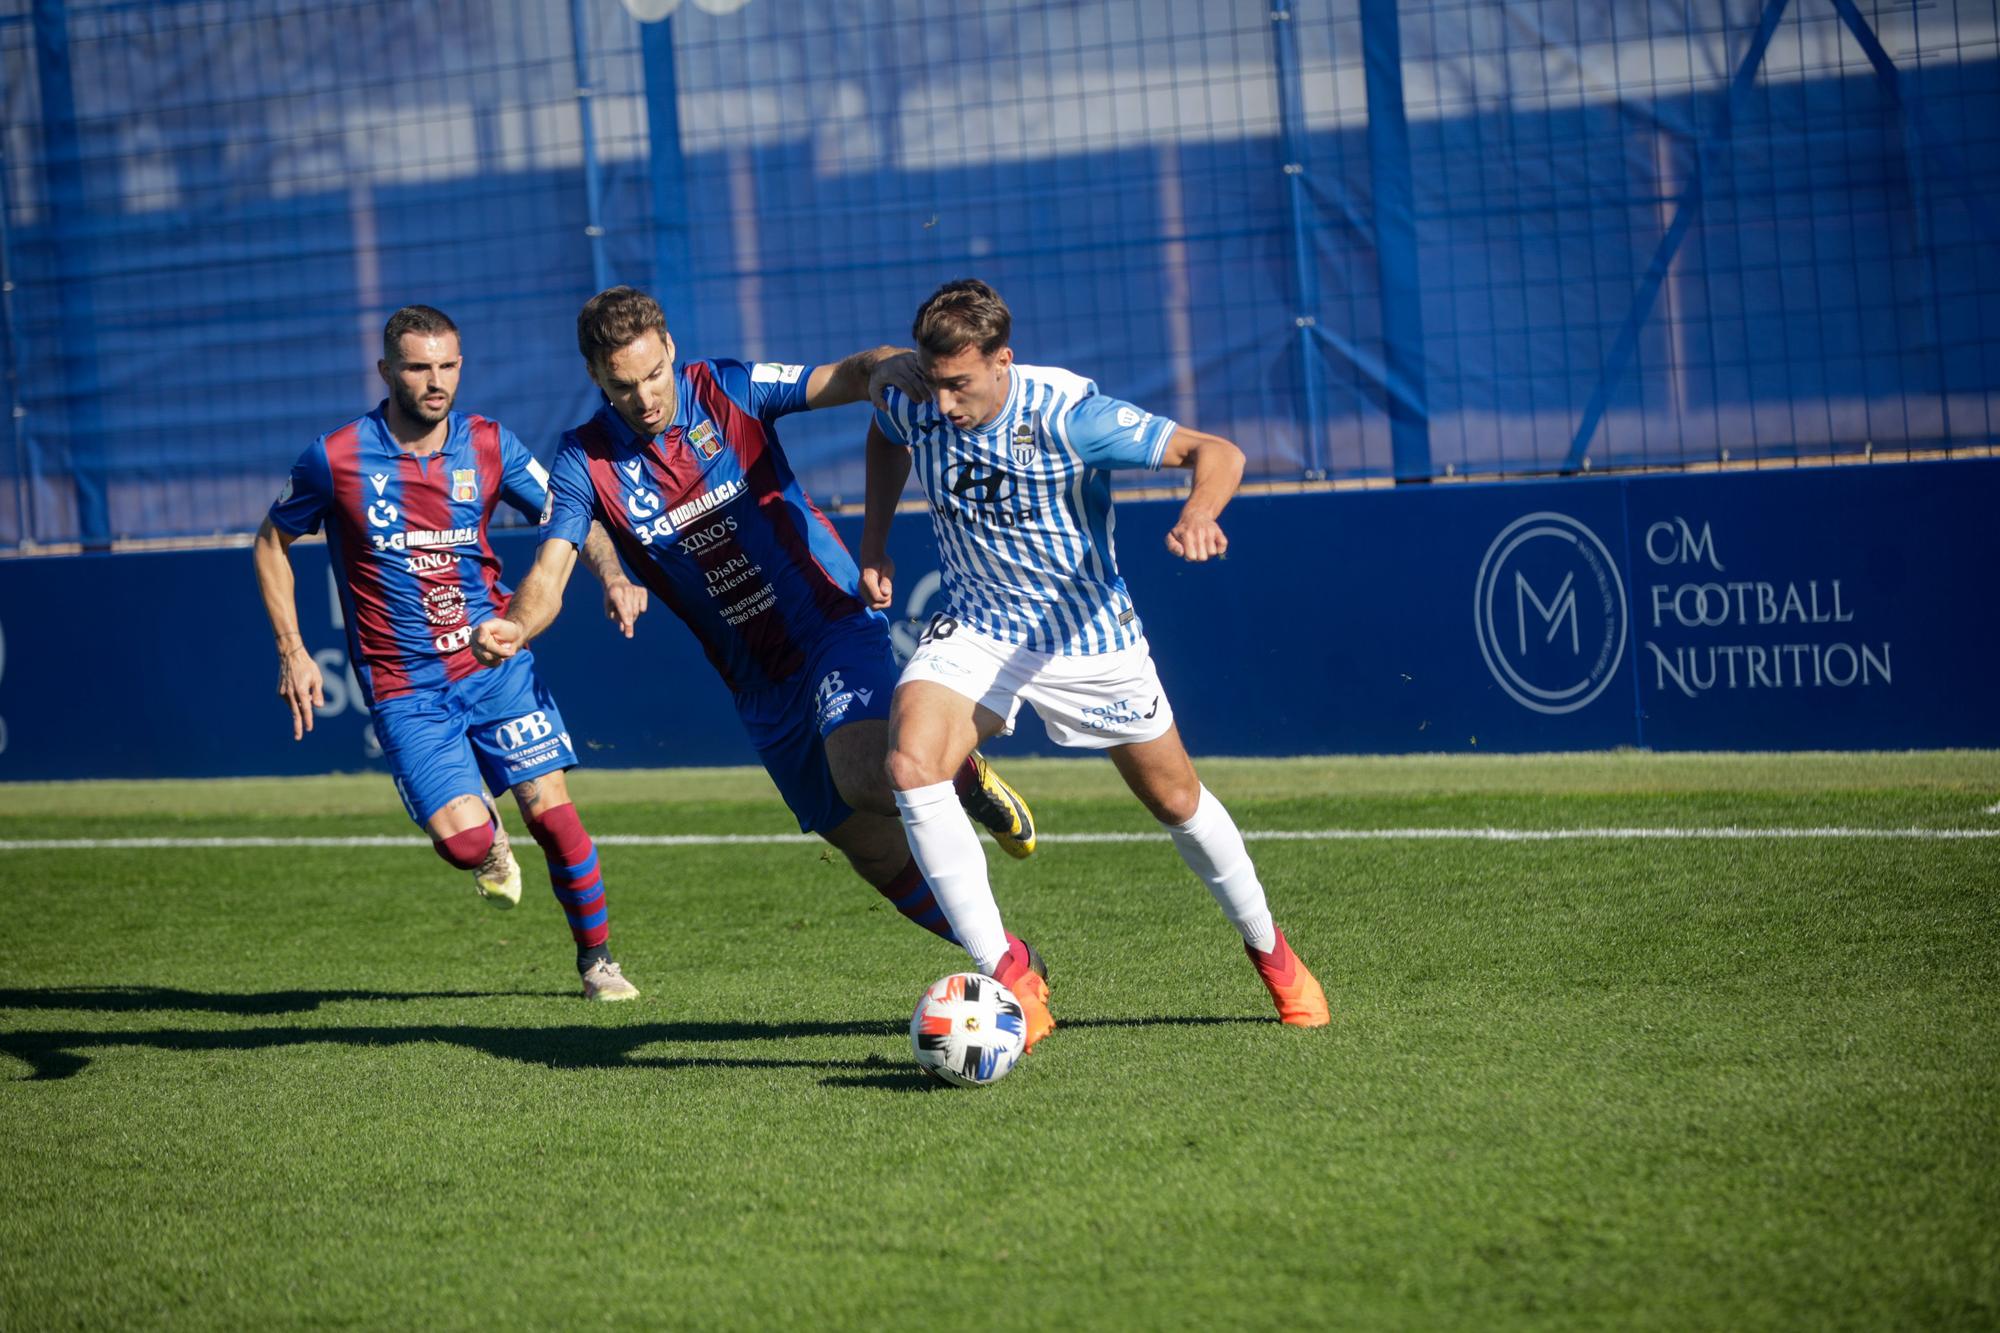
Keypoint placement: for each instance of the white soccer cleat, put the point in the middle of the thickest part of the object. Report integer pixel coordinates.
(605, 981)
(498, 879)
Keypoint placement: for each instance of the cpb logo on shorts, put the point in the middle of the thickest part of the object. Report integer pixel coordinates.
(833, 697)
(522, 730)
(1549, 612)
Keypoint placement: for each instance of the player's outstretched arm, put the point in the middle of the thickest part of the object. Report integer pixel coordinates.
(299, 682)
(1218, 470)
(534, 606)
(888, 470)
(853, 378)
(624, 600)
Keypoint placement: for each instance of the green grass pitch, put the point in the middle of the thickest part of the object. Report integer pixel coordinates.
(1609, 1082)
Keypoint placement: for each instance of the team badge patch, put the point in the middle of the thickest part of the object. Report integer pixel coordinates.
(702, 440)
(1023, 450)
(465, 483)
(286, 493)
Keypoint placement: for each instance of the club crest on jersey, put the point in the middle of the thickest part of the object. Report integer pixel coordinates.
(1023, 450)
(380, 479)
(464, 483)
(702, 440)
(286, 493)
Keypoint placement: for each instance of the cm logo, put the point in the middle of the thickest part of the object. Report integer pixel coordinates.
(981, 483)
(1549, 612)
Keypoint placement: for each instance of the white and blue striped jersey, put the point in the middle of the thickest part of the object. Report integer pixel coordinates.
(1022, 508)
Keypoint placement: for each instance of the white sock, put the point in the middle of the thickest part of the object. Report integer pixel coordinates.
(1213, 849)
(953, 863)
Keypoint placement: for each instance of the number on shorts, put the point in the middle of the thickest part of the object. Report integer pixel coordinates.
(941, 627)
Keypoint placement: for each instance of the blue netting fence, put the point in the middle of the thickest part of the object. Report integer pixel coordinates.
(1365, 239)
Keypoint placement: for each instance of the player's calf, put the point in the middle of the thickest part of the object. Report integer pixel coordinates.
(1212, 846)
(578, 884)
(909, 895)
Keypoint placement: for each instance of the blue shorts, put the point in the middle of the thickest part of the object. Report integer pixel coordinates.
(850, 674)
(491, 729)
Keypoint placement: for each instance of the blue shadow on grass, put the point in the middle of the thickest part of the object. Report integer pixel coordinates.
(149, 999)
(55, 1054)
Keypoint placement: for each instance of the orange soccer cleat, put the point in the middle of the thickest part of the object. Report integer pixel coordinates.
(1022, 971)
(1033, 993)
(1300, 1001)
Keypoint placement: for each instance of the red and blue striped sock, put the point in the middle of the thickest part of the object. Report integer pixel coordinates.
(573, 874)
(913, 898)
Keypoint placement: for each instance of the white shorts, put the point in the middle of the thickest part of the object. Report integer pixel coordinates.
(1087, 701)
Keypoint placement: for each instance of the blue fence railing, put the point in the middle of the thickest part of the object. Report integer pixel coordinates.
(1364, 238)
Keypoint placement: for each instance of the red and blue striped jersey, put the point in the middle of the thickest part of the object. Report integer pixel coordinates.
(411, 559)
(710, 518)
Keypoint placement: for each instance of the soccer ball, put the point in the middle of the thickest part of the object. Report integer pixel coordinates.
(967, 1030)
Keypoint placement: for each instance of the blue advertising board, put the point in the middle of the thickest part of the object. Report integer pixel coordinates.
(1828, 608)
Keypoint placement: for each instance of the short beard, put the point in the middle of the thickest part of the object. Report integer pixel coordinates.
(413, 407)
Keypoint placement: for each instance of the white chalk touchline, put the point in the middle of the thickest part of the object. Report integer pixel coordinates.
(1728, 833)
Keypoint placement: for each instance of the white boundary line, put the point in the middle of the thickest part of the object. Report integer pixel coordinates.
(1722, 834)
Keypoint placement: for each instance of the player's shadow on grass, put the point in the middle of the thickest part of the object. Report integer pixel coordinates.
(255, 1004)
(58, 1055)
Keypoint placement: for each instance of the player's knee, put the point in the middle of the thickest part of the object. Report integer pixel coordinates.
(906, 770)
(870, 794)
(1174, 806)
(467, 848)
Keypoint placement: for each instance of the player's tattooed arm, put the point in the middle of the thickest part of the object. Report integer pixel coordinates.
(299, 682)
(888, 471)
(852, 378)
(624, 600)
(1218, 470)
(533, 608)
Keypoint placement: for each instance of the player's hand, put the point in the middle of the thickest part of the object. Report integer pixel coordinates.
(878, 581)
(902, 371)
(301, 687)
(624, 603)
(1196, 538)
(496, 641)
